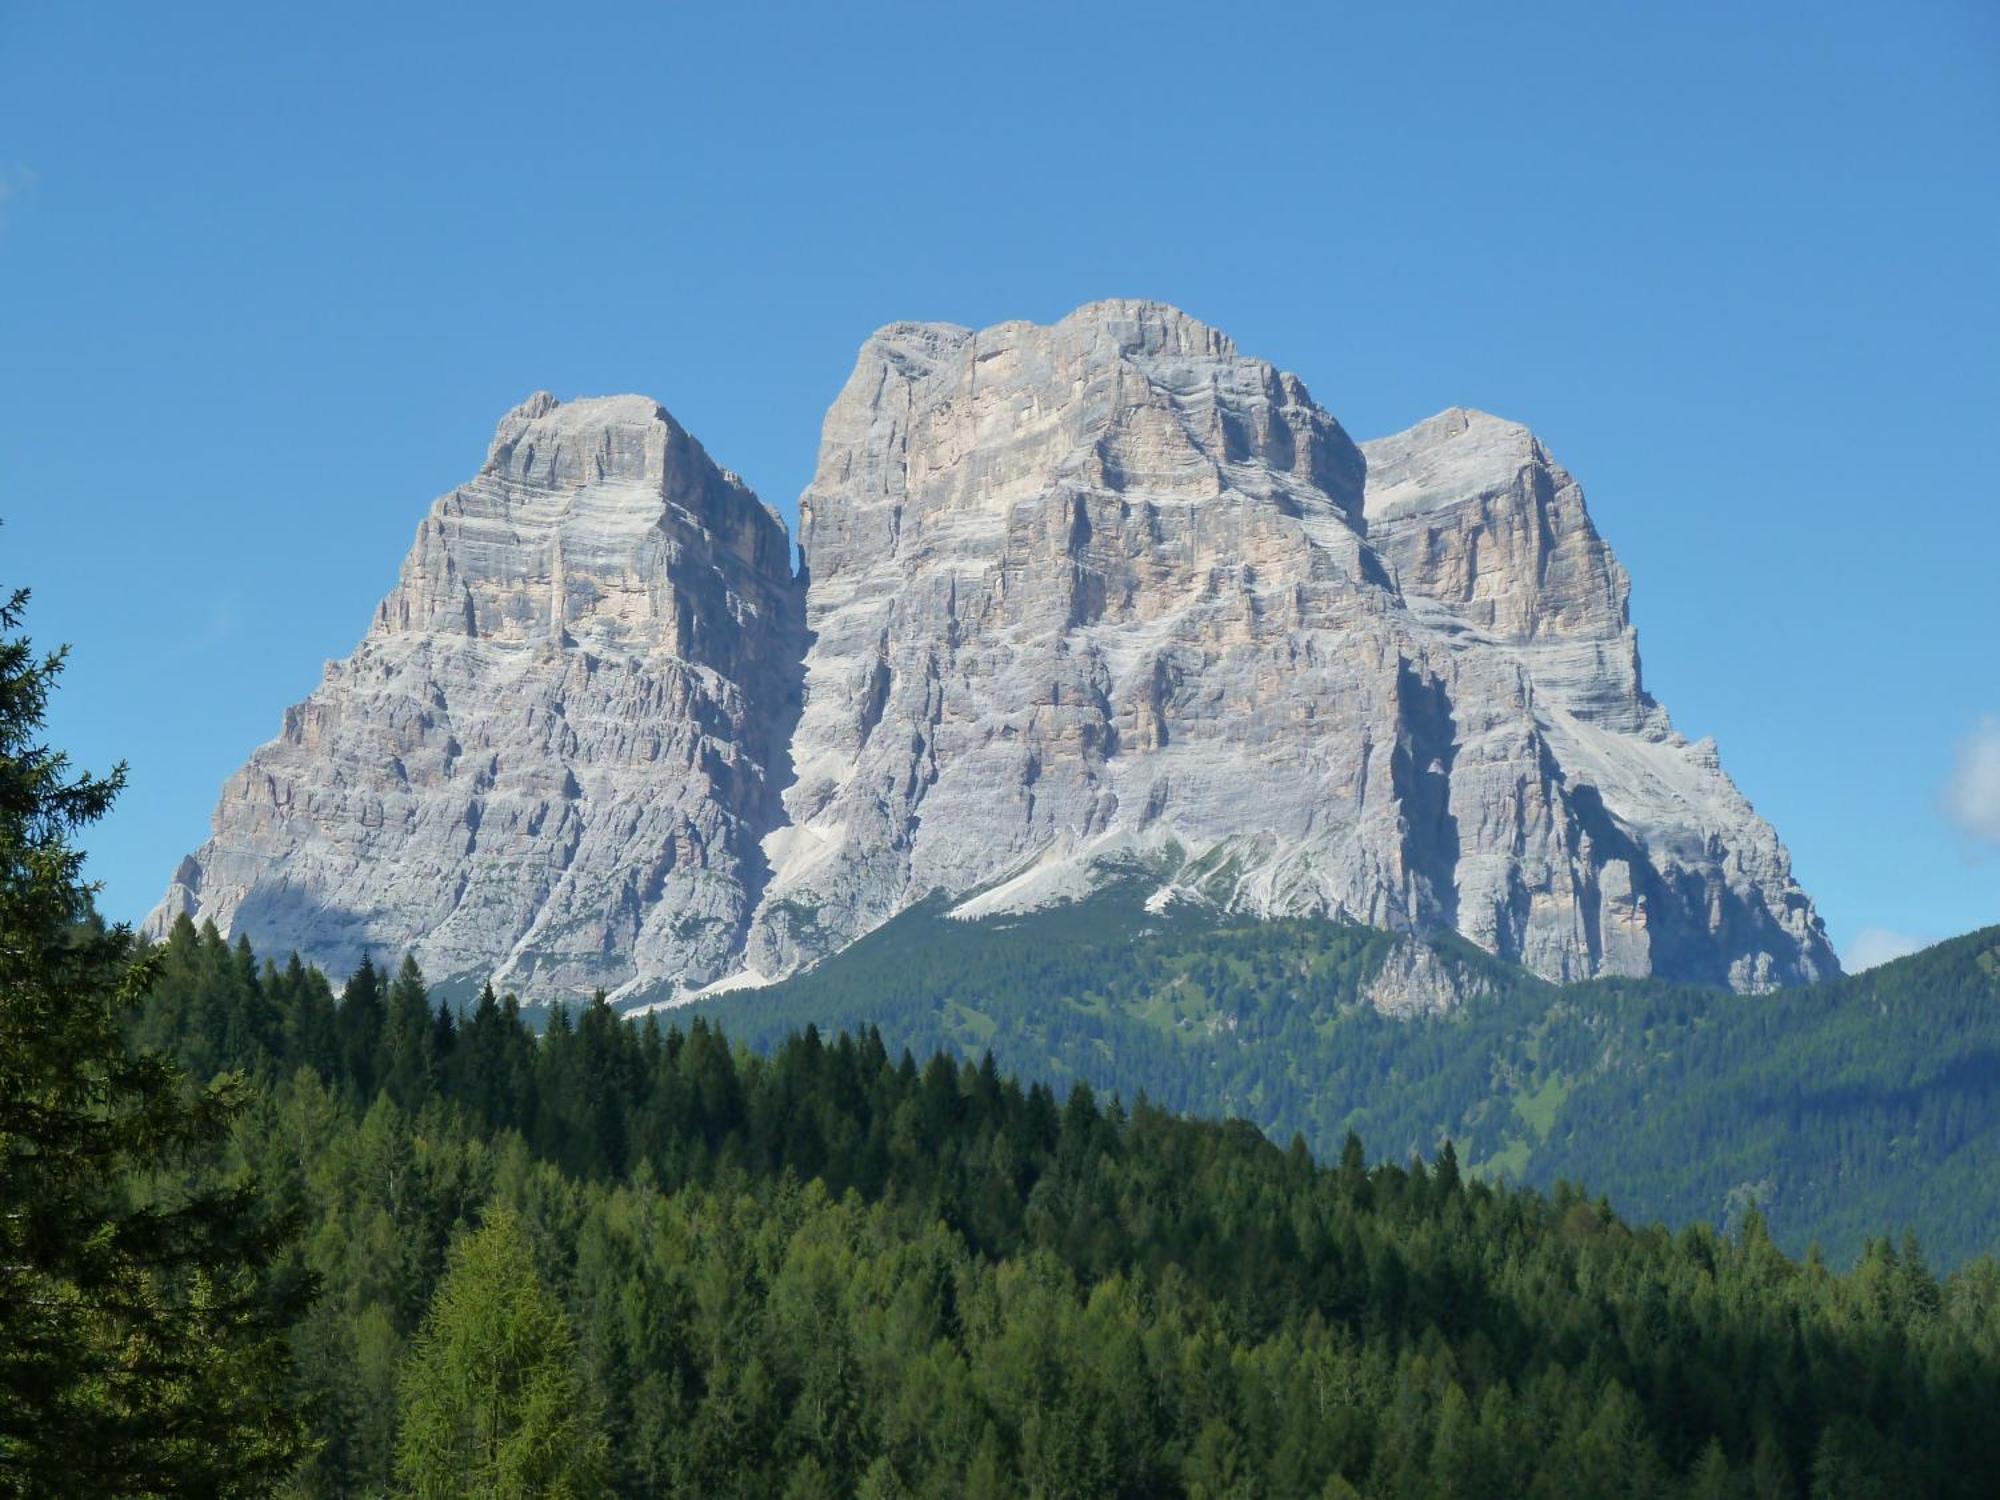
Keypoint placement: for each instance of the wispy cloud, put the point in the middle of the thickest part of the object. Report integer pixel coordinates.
(1972, 794)
(1877, 945)
(215, 631)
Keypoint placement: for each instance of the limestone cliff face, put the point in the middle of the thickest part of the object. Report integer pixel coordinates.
(1108, 595)
(553, 756)
(1637, 855)
(1100, 600)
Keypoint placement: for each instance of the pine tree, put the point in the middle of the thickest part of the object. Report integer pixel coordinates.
(481, 1068)
(256, 1030)
(312, 1035)
(1214, 1469)
(444, 1050)
(881, 1482)
(493, 1402)
(359, 1023)
(809, 1482)
(141, 1346)
(1457, 1465)
(1710, 1479)
(406, 1062)
(986, 1477)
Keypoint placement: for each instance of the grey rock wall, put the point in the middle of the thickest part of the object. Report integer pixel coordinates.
(552, 759)
(1109, 595)
(1082, 602)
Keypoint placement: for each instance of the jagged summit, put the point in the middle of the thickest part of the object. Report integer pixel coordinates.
(597, 440)
(1474, 513)
(1146, 327)
(599, 519)
(1125, 325)
(554, 754)
(1097, 600)
(1105, 595)
(1449, 459)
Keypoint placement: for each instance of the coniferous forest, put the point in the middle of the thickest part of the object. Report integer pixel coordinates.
(834, 1270)
(1841, 1110)
(263, 1237)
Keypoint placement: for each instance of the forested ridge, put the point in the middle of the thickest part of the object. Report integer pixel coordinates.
(1843, 1110)
(834, 1270)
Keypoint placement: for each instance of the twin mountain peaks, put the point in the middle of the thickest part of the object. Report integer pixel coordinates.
(1102, 601)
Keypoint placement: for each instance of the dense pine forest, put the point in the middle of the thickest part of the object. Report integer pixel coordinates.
(1841, 1110)
(258, 1237)
(837, 1270)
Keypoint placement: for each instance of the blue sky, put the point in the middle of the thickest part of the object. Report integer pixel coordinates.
(269, 274)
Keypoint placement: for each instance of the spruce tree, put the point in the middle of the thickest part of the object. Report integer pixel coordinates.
(482, 1070)
(312, 1027)
(407, 1063)
(359, 1024)
(142, 1348)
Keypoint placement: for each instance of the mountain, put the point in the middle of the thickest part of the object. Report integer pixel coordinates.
(1109, 596)
(554, 755)
(1850, 1108)
(1082, 605)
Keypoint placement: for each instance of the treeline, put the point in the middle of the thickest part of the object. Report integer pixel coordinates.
(1844, 1110)
(834, 1270)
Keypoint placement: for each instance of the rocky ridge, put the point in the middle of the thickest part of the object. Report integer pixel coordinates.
(1109, 594)
(1086, 601)
(553, 756)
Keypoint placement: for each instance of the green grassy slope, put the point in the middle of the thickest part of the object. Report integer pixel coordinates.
(1866, 1105)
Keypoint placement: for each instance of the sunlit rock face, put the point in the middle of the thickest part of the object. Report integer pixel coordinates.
(1636, 854)
(1099, 601)
(1109, 597)
(554, 755)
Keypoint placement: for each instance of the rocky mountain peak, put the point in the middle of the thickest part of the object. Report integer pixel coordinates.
(1098, 600)
(1145, 328)
(940, 425)
(599, 521)
(552, 758)
(1105, 596)
(1453, 458)
(597, 440)
(1475, 515)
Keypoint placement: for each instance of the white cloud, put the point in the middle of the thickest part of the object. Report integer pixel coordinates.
(1972, 795)
(1877, 945)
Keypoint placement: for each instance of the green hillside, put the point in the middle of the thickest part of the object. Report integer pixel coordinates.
(1862, 1106)
(632, 1259)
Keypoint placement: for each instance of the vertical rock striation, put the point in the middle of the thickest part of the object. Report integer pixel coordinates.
(1604, 842)
(1102, 600)
(554, 755)
(1109, 597)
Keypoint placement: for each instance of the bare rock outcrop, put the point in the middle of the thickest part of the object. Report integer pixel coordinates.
(1109, 595)
(1087, 602)
(554, 755)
